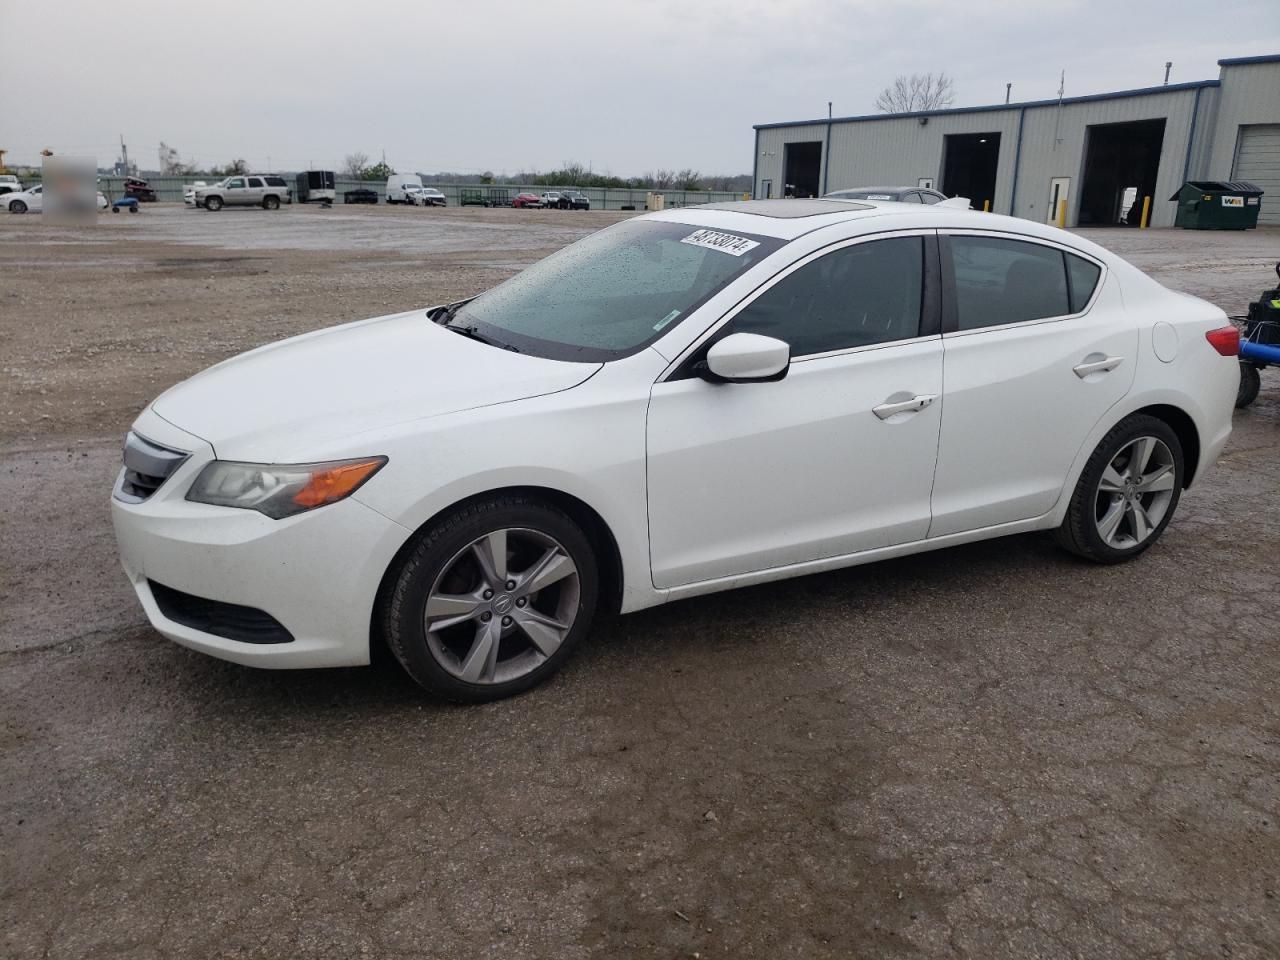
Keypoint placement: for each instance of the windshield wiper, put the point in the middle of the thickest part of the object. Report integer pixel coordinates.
(474, 333)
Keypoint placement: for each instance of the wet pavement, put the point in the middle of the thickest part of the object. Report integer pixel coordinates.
(993, 751)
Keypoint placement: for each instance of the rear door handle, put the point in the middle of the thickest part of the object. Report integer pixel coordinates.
(1096, 363)
(914, 405)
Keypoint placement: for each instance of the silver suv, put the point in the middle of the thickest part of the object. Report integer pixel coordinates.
(251, 190)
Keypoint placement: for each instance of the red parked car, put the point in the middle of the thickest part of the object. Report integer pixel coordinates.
(527, 200)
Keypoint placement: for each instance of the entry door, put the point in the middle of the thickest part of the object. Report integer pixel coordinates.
(237, 191)
(1041, 351)
(1059, 194)
(835, 458)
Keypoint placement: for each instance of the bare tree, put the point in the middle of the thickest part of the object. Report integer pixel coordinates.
(688, 179)
(920, 91)
(660, 179)
(355, 165)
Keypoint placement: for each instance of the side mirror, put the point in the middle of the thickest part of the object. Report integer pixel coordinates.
(746, 358)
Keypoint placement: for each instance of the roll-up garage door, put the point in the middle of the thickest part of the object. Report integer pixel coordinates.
(1258, 161)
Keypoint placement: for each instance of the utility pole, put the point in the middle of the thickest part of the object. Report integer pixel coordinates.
(1008, 89)
(1167, 67)
(124, 157)
(828, 109)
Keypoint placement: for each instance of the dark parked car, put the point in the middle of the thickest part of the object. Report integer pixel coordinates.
(139, 189)
(574, 200)
(360, 195)
(901, 194)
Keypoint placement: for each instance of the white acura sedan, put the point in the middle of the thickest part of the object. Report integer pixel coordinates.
(685, 402)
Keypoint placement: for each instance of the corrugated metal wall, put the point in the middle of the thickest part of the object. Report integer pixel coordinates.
(1054, 140)
(901, 150)
(1054, 145)
(1250, 94)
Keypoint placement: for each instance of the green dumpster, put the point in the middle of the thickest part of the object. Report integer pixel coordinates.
(1218, 205)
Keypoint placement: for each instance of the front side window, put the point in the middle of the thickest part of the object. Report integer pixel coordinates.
(615, 291)
(859, 295)
(1001, 281)
(928, 197)
(235, 184)
(911, 196)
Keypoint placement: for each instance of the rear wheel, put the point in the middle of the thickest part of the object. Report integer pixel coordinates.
(271, 202)
(213, 203)
(492, 599)
(1250, 383)
(1127, 492)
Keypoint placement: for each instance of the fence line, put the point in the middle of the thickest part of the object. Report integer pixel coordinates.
(602, 198)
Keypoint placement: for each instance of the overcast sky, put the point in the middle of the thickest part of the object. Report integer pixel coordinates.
(511, 86)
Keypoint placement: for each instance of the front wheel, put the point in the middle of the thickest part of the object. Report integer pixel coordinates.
(1127, 492)
(491, 600)
(271, 203)
(17, 206)
(213, 203)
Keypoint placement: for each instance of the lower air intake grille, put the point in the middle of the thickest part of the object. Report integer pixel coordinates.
(229, 620)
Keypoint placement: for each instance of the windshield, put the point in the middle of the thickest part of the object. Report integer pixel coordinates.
(614, 292)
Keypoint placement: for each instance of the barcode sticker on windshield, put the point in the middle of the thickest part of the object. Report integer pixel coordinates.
(724, 242)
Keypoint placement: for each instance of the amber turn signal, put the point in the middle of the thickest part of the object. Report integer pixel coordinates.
(334, 483)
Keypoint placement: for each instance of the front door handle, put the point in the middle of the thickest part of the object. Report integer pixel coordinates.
(1096, 363)
(914, 405)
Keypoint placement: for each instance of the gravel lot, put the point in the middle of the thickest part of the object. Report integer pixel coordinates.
(990, 751)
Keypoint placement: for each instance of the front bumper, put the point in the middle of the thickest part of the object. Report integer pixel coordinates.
(317, 573)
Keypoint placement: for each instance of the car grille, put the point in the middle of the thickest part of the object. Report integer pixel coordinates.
(146, 466)
(229, 620)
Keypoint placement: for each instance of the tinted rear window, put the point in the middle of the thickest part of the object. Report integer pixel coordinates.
(1007, 281)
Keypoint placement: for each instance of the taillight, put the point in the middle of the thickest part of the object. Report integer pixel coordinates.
(1226, 340)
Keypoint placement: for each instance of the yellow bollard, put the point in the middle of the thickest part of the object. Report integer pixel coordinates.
(1146, 213)
(986, 206)
(745, 195)
(1062, 214)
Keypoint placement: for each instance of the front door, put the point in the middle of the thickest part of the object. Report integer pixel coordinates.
(1059, 191)
(237, 191)
(835, 458)
(1038, 349)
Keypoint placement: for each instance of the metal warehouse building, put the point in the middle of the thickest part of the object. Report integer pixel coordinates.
(1097, 155)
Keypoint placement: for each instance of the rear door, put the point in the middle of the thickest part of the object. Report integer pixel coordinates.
(257, 189)
(1038, 348)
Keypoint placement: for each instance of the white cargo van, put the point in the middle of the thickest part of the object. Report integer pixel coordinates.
(396, 187)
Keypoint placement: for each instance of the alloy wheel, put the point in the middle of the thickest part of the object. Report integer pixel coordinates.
(1134, 493)
(502, 606)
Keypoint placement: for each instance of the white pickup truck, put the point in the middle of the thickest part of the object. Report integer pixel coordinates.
(9, 184)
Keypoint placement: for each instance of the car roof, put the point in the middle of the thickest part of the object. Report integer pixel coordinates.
(860, 216)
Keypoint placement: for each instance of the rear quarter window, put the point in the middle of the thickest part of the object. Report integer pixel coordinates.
(1082, 278)
(275, 181)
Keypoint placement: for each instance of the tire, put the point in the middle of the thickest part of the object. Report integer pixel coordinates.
(444, 564)
(18, 206)
(1111, 518)
(271, 203)
(1250, 383)
(213, 204)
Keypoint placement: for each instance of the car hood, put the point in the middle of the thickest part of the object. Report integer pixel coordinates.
(283, 401)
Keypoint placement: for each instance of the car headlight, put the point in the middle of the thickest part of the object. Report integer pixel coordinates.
(281, 490)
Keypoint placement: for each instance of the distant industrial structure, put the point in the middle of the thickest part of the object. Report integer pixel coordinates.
(1085, 161)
